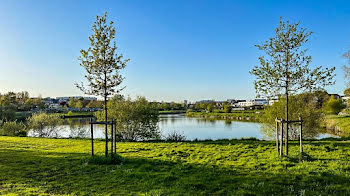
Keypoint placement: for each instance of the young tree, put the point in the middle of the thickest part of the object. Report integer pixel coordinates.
(286, 69)
(102, 64)
(72, 102)
(79, 104)
(347, 69)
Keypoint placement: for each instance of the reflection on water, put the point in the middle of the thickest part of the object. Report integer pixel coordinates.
(198, 128)
(192, 128)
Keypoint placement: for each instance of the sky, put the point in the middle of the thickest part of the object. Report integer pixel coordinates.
(178, 50)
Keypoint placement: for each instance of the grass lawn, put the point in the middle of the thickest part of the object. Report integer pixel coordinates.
(60, 167)
(251, 115)
(172, 112)
(340, 124)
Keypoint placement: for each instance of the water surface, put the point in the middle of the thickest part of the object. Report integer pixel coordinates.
(191, 128)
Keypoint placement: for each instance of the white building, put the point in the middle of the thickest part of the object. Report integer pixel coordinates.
(254, 102)
(76, 97)
(345, 100)
(272, 101)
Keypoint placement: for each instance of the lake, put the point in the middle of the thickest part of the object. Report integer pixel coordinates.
(192, 128)
(197, 128)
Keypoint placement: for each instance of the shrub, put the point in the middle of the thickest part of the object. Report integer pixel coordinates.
(136, 119)
(189, 110)
(227, 108)
(175, 136)
(303, 106)
(45, 125)
(333, 106)
(13, 128)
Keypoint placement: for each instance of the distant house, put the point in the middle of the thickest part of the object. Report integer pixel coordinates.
(345, 100)
(231, 101)
(254, 102)
(50, 101)
(238, 104)
(54, 106)
(76, 97)
(336, 96)
(272, 101)
(219, 104)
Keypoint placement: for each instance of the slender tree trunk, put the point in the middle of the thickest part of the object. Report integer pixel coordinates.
(106, 115)
(277, 136)
(301, 135)
(287, 101)
(281, 140)
(287, 123)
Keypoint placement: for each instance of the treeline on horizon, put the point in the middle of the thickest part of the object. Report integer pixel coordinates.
(12, 102)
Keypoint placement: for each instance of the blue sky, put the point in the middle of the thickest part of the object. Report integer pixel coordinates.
(181, 49)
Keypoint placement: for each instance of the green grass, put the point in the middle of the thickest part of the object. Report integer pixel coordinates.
(34, 166)
(252, 116)
(340, 125)
(172, 112)
(80, 113)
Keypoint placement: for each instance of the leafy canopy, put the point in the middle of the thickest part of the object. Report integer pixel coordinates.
(333, 106)
(101, 60)
(286, 68)
(136, 119)
(347, 69)
(305, 105)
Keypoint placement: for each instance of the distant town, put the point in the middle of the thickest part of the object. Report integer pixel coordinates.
(91, 104)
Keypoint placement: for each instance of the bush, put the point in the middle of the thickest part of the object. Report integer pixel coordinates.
(175, 136)
(45, 125)
(8, 113)
(303, 106)
(13, 128)
(333, 106)
(136, 119)
(218, 111)
(227, 108)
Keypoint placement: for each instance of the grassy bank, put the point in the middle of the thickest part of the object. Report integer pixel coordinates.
(172, 112)
(79, 113)
(253, 116)
(339, 125)
(60, 166)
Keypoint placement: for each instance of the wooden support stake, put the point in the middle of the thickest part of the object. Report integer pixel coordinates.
(92, 138)
(277, 144)
(287, 130)
(301, 135)
(115, 136)
(112, 138)
(281, 139)
(106, 132)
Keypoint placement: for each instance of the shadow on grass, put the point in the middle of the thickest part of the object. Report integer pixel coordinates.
(71, 173)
